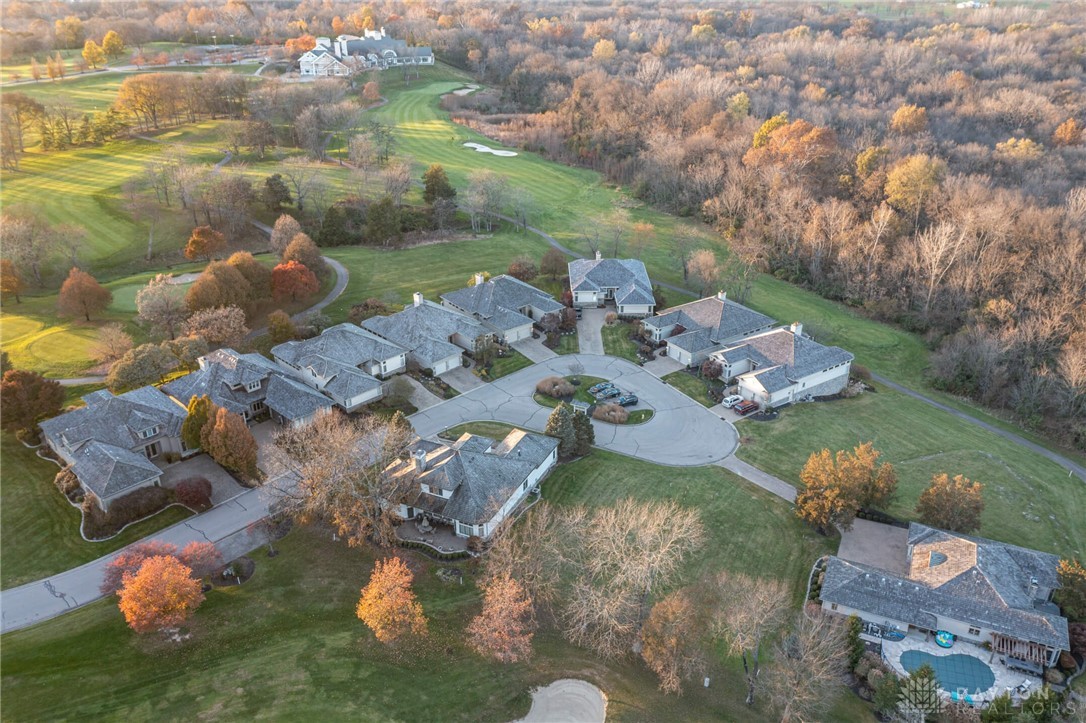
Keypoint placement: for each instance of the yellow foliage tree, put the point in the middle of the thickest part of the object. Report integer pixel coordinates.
(161, 594)
(951, 504)
(388, 604)
(909, 120)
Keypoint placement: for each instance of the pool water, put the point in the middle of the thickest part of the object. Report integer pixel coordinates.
(954, 672)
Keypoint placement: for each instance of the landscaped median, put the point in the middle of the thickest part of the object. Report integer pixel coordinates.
(603, 411)
(695, 387)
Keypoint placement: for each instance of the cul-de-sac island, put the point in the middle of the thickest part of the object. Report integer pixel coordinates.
(463, 360)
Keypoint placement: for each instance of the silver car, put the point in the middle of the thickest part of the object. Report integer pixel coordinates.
(729, 402)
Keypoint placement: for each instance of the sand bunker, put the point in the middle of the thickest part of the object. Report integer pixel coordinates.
(467, 89)
(480, 148)
(567, 701)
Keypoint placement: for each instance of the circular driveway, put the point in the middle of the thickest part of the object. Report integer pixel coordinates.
(681, 433)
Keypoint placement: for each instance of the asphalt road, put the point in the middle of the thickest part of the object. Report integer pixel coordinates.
(682, 433)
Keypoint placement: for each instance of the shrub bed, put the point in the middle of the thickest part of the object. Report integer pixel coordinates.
(194, 493)
(555, 387)
(611, 413)
(98, 525)
(68, 484)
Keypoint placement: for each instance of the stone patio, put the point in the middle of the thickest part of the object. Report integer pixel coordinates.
(1006, 680)
(440, 537)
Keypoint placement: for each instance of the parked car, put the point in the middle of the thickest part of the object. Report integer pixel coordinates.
(627, 400)
(600, 387)
(745, 408)
(731, 401)
(608, 393)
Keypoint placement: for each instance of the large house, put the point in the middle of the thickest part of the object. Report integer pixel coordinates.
(623, 282)
(781, 366)
(349, 54)
(246, 384)
(695, 330)
(474, 483)
(434, 336)
(981, 591)
(343, 362)
(506, 306)
(110, 442)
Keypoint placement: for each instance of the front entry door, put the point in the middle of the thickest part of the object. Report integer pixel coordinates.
(152, 450)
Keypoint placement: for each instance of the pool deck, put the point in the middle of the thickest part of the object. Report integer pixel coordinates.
(1005, 679)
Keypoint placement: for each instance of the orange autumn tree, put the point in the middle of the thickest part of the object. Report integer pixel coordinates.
(504, 629)
(291, 281)
(388, 604)
(162, 594)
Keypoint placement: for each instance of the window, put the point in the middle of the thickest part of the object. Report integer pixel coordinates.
(525, 485)
(833, 606)
(252, 386)
(974, 631)
(150, 432)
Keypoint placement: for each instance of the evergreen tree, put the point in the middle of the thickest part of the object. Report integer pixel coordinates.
(383, 222)
(560, 426)
(199, 413)
(334, 229)
(436, 183)
(585, 434)
(275, 192)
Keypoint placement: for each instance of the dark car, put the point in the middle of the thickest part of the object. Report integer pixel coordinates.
(608, 393)
(745, 408)
(600, 387)
(627, 400)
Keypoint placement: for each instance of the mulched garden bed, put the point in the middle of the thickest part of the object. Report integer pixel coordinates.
(234, 573)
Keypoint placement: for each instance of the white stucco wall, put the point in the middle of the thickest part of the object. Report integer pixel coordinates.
(443, 365)
(521, 332)
(635, 310)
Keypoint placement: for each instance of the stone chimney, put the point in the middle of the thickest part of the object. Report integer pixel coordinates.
(722, 295)
(797, 328)
(420, 460)
(418, 298)
(479, 280)
(599, 256)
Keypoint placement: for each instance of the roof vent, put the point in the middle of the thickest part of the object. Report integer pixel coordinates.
(937, 558)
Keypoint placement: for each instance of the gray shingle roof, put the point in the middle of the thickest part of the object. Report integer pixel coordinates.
(344, 343)
(116, 420)
(693, 341)
(796, 355)
(108, 471)
(482, 474)
(628, 276)
(723, 318)
(773, 380)
(425, 330)
(974, 580)
(500, 302)
(293, 400)
(223, 376)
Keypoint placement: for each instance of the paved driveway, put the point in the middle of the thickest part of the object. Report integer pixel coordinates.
(589, 338)
(874, 543)
(661, 366)
(462, 379)
(681, 433)
(223, 486)
(421, 397)
(534, 349)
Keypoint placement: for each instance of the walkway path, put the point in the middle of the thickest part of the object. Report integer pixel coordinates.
(1059, 459)
(682, 433)
(756, 476)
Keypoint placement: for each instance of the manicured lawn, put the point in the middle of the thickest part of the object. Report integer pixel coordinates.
(616, 342)
(735, 513)
(436, 269)
(288, 641)
(513, 361)
(1029, 501)
(39, 530)
(568, 344)
(692, 386)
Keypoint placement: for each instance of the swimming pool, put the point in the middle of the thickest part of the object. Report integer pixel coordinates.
(954, 672)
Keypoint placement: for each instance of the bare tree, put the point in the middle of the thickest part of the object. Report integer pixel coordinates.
(396, 176)
(808, 667)
(936, 249)
(303, 177)
(682, 248)
(749, 612)
(346, 474)
(704, 269)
